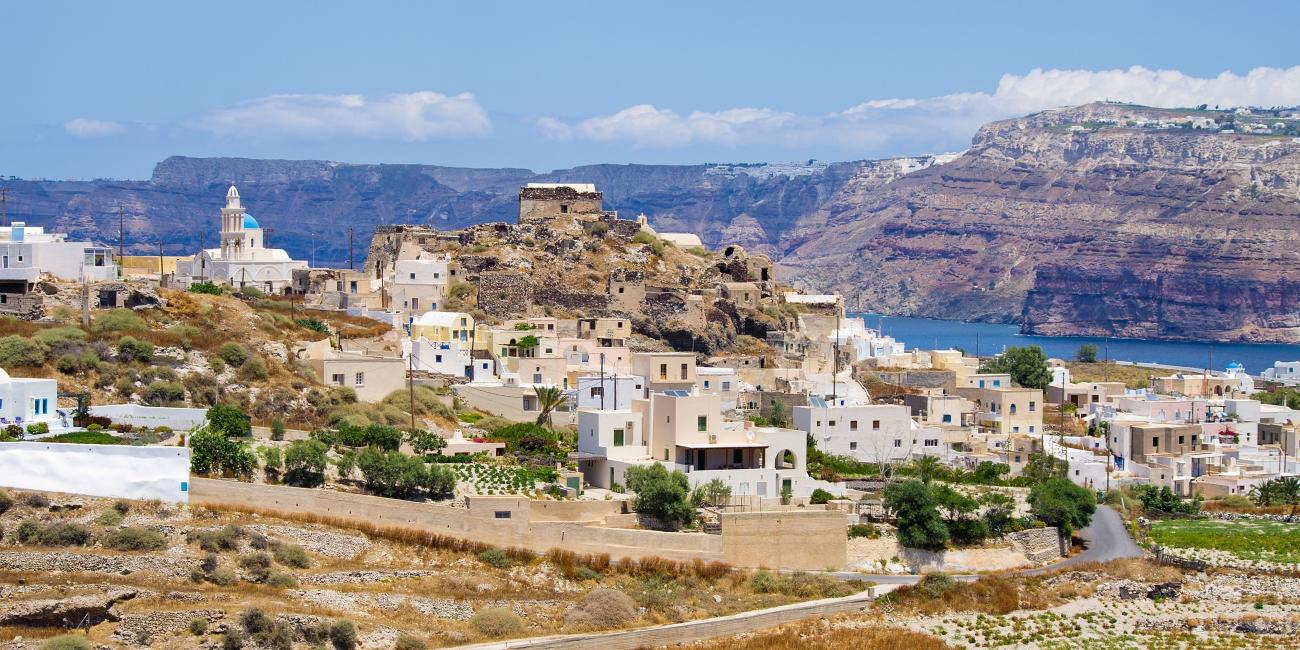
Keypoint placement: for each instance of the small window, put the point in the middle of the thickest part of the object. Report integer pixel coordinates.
(706, 383)
(412, 276)
(1031, 428)
(737, 456)
(564, 208)
(437, 358)
(1180, 440)
(663, 371)
(683, 371)
(853, 446)
(1033, 406)
(501, 514)
(898, 443)
(947, 418)
(726, 385)
(702, 423)
(875, 425)
(1017, 458)
(337, 379)
(853, 425)
(361, 379)
(618, 437)
(831, 423)
(1155, 441)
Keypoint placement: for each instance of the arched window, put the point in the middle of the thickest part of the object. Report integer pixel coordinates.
(1013, 409)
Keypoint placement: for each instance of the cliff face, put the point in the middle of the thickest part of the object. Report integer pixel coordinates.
(1097, 229)
(310, 205)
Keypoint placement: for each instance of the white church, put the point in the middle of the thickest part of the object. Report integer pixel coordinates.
(243, 259)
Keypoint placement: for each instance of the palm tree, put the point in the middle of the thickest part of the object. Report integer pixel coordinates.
(926, 468)
(1287, 490)
(549, 398)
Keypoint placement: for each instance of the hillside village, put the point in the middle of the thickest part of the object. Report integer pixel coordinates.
(577, 379)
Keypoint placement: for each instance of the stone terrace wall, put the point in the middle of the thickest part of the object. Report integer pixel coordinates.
(1038, 544)
(810, 540)
(504, 294)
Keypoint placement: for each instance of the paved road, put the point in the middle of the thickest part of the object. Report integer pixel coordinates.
(690, 631)
(1105, 539)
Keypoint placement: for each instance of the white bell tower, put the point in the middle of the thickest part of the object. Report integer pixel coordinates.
(232, 226)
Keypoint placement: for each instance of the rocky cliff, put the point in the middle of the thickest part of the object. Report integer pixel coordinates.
(1103, 219)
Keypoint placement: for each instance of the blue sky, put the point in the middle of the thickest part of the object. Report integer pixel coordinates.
(98, 89)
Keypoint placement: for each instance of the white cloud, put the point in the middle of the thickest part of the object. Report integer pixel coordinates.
(83, 127)
(413, 116)
(946, 121)
(645, 126)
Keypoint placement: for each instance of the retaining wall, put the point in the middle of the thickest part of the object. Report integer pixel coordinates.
(1039, 544)
(114, 471)
(179, 419)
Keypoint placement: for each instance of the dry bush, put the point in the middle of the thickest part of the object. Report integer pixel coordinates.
(496, 622)
(602, 609)
(937, 593)
(812, 636)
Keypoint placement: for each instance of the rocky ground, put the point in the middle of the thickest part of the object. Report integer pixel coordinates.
(189, 578)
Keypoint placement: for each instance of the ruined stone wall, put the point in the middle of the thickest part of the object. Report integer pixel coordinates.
(919, 378)
(540, 203)
(1038, 544)
(504, 294)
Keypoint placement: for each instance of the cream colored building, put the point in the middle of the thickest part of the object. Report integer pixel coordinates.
(1011, 411)
(372, 377)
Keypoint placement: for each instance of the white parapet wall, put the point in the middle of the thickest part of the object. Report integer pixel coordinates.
(115, 471)
(179, 419)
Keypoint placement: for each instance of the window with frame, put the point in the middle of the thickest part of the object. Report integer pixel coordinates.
(853, 445)
(618, 437)
(931, 442)
(853, 425)
(898, 443)
(337, 379)
(663, 371)
(684, 373)
(875, 425)
(702, 423)
(361, 379)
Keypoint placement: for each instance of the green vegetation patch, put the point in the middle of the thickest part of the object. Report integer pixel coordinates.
(1267, 541)
(87, 438)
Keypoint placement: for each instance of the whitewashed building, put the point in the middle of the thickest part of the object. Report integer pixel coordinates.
(242, 259)
(26, 252)
(25, 401)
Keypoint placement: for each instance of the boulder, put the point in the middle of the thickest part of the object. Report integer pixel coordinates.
(76, 611)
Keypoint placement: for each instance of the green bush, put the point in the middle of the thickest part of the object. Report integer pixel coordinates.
(234, 639)
(109, 518)
(281, 580)
(164, 393)
(277, 429)
(229, 421)
(441, 482)
(314, 324)
(56, 336)
(496, 622)
(28, 532)
(88, 437)
(763, 582)
(68, 364)
(36, 500)
(21, 351)
(65, 534)
(256, 565)
(496, 557)
(305, 462)
(211, 452)
(134, 539)
(392, 473)
(210, 288)
(223, 577)
(343, 635)
(254, 369)
(68, 642)
(130, 348)
(292, 555)
(198, 625)
(255, 621)
(38, 428)
(661, 494)
(233, 353)
(119, 320)
(225, 538)
(821, 496)
(869, 531)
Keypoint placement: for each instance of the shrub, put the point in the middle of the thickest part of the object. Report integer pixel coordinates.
(821, 496)
(314, 324)
(130, 348)
(441, 481)
(496, 622)
(36, 500)
(68, 364)
(257, 565)
(229, 421)
(119, 320)
(209, 563)
(870, 531)
(122, 507)
(6, 502)
(255, 621)
(234, 640)
(391, 473)
(497, 558)
(21, 351)
(225, 538)
(406, 641)
(28, 532)
(198, 625)
(279, 638)
(661, 494)
(277, 429)
(602, 609)
(305, 462)
(211, 452)
(343, 635)
(38, 428)
(68, 642)
(223, 577)
(65, 534)
(164, 393)
(255, 368)
(134, 539)
(210, 288)
(763, 582)
(233, 353)
(109, 518)
(281, 580)
(292, 555)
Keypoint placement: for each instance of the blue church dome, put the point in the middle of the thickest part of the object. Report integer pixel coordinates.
(249, 221)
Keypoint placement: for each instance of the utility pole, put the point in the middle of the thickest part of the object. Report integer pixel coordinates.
(350, 249)
(835, 353)
(4, 206)
(602, 381)
(121, 231)
(160, 263)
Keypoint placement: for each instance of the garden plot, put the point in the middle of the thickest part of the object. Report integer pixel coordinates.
(482, 478)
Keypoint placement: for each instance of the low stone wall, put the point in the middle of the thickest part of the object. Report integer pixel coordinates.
(177, 418)
(798, 540)
(1038, 544)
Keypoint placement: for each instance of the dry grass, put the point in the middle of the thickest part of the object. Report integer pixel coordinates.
(568, 562)
(1132, 376)
(837, 634)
